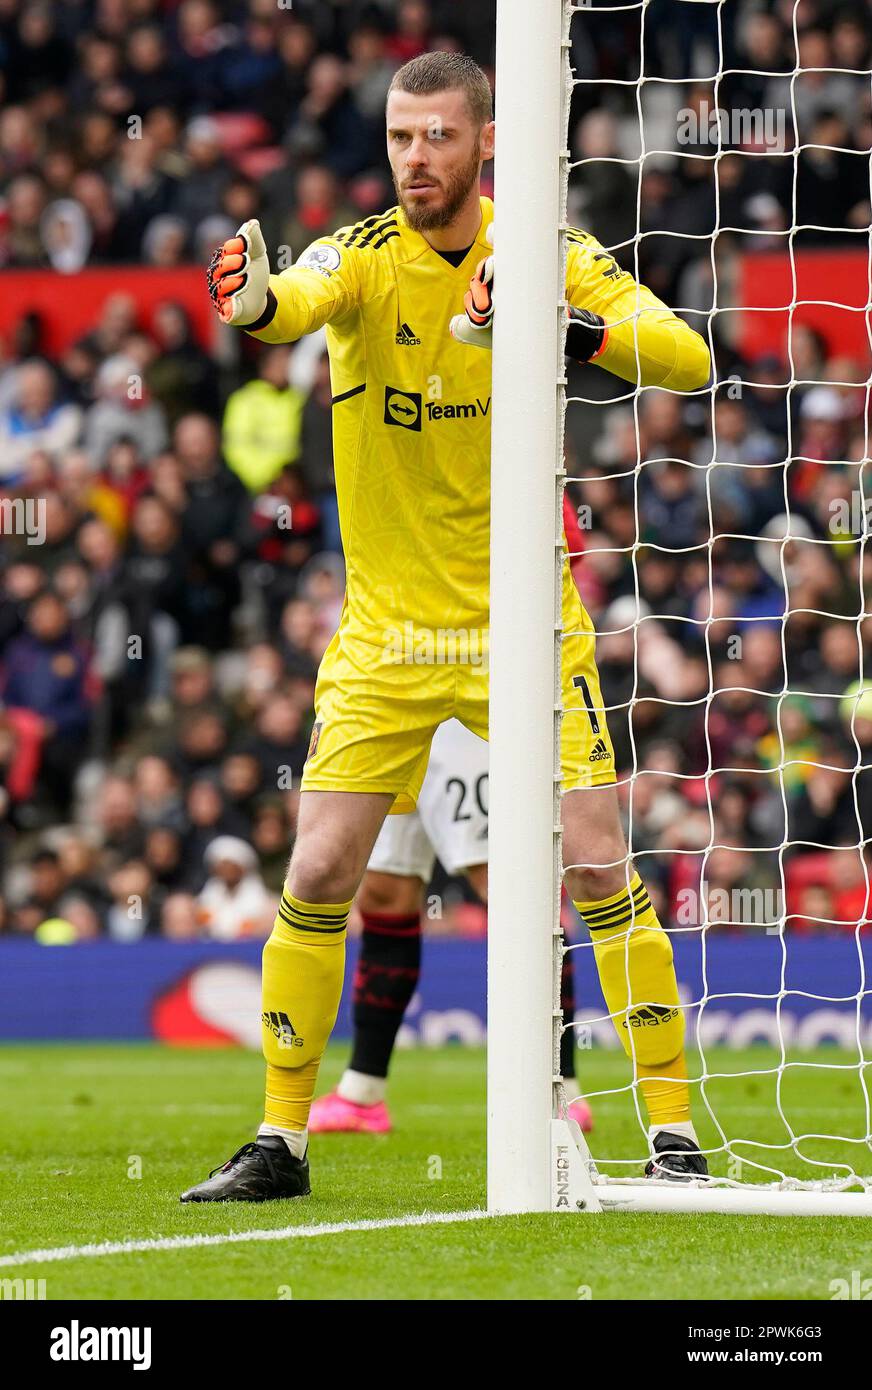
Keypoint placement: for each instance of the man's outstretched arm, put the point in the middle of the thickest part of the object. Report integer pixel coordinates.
(613, 316)
(321, 286)
(610, 317)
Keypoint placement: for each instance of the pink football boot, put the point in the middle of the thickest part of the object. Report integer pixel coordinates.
(332, 1114)
(580, 1111)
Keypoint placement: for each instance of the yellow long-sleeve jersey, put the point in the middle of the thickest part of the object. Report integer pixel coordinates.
(411, 407)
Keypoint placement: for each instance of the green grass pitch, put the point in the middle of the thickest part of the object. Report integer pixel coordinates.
(96, 1142)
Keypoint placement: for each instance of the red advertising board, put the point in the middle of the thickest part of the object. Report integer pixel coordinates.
(70, 305)
(830, 294)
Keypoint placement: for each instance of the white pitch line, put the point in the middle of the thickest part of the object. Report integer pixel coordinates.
(335, 1228)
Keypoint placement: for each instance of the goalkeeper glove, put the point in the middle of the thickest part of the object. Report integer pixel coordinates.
(586, 332)
(475, 326)
(238, 279)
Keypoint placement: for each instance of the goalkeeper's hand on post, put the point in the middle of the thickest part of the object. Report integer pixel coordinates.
(586, 332)
(475, 326)
(238, 277)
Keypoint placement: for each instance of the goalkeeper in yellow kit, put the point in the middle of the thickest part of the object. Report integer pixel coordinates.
(411, 423)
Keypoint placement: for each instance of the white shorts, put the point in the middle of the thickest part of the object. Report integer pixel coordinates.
(451, 817)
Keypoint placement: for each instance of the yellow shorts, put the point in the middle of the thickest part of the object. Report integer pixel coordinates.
(375, 715)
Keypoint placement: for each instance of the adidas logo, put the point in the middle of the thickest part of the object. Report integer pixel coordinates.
(281, 1028)
(600, 752)
(406, 337)
(650, 1016)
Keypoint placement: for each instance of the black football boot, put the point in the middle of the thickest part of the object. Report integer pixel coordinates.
(258, 1172)
(676, 1159)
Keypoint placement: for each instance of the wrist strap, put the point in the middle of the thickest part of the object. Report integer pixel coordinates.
(266, 317)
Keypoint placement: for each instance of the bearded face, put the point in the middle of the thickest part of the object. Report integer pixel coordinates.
(436, 149)
(449, 193)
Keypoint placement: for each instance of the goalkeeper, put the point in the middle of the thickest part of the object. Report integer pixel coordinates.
(411, 425)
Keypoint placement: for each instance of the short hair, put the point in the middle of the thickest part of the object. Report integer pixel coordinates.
(444, 72)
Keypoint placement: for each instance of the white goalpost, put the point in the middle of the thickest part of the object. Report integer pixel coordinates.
(524, 645)
(538, 1159)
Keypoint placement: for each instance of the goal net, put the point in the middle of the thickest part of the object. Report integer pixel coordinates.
(721, 154)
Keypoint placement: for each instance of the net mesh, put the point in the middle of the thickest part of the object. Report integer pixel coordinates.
(784, 1112)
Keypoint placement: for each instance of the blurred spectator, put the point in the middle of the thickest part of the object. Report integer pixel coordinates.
(794, 747)
(371, 67)
(234, 901)
(158, 793)
(150, 77)
(46, 670)
(153, 589)
(141, 192)
(130, 915)
(164, 858)
(165, 241)
(279, 741)
(66, 235)
(123, 411)
(206, 176)
(21, 735)
(181, 378)
(607, 198)
(284, 533)
(412, 30)
(272, 838)
(22, 244)
(115, 813)
(319, 209)
(36, 418)
(47, 884)
(207, 818)
(262, 420)
(329, 125)
(180, 918)
(283, 92)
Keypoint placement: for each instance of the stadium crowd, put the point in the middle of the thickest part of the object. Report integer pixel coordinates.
(158, 648)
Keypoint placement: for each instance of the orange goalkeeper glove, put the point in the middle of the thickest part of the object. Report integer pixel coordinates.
(238, 279)
(475, 326)
(586, 332)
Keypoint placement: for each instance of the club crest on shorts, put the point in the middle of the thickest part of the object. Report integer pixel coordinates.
(315, 739)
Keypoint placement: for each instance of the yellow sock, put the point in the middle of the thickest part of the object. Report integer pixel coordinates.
(666, 1092)
(633, 955)
(303, 969)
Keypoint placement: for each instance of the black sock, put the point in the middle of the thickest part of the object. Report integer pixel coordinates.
(567, 1004)
(385, 980)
